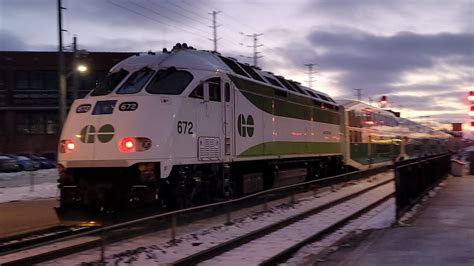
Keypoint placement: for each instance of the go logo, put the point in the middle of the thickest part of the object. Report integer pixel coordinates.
(245, 126)
(105, 133)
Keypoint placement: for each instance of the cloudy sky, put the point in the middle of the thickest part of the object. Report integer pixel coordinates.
(419, 53)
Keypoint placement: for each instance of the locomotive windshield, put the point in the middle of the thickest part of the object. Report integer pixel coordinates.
(136, 81)
(111, 81)
(169, 81)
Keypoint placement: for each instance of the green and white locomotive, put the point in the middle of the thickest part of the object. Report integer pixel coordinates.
(187, 126)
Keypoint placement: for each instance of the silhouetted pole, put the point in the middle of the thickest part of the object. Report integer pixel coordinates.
(74, 66)
(61, 76)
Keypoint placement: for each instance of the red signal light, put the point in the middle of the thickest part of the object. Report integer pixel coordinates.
(471, 112)
(471, 127)
(470, 97)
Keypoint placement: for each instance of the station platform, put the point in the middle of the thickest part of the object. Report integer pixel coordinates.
(27, 216)
(440, 233)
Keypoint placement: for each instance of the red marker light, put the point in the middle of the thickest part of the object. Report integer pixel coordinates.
(67, 146)
(70, 146)
(127, 144)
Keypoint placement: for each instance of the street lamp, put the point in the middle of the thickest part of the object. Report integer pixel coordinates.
(81, 68)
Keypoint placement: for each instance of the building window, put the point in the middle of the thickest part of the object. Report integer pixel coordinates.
(36, 80)
(21, 78)
(2, 81)
(36, 123)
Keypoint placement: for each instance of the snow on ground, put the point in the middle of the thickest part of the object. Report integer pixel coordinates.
(32, 185)
(257, 251)
(382, 216)
(157, 248)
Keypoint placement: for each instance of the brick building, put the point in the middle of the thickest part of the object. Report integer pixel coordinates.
(29, 96)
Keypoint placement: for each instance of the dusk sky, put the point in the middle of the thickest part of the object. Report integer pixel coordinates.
(419, 53)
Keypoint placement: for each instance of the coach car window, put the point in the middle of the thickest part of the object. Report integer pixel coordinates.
(110, 82)
(136, 81)
(274, 82)
(232, 65)
(286, 84)
(296, 86)
(252, 73)
(169, 81)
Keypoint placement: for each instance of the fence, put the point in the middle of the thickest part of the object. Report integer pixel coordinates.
(416, 177)
(171, 220)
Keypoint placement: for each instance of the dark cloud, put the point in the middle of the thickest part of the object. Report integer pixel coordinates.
(400, 44)
(360, 8)
(107, 17)
(10, 42)
(374, 62)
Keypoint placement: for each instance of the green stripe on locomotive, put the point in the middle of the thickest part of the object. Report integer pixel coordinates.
(292, 147)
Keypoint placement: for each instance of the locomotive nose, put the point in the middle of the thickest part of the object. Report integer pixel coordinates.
(118, 130)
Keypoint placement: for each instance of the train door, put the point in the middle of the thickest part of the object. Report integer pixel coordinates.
(228, 118)
(209, 118)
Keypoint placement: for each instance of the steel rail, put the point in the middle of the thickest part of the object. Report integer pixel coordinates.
(233, 243)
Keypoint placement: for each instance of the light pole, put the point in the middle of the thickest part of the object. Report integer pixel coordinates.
(61, 76)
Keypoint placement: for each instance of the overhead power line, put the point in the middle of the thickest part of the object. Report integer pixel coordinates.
(153, 19)
(149, 9)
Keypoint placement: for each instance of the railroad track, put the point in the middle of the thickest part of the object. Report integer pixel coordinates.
(15, 243)
(276, 243)
(49, 249)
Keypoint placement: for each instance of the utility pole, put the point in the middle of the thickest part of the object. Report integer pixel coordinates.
(74, 66)
(61, 75)
(310, 74)
(214, 27)
(358, 94)
(255, 46)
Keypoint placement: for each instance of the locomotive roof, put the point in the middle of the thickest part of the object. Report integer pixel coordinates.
(215, 62)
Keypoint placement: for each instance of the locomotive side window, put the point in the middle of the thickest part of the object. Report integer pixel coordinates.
(169, 81)
(214, 89)
(227, 92)
(198, 92)
(110, 82)
(136, 81)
